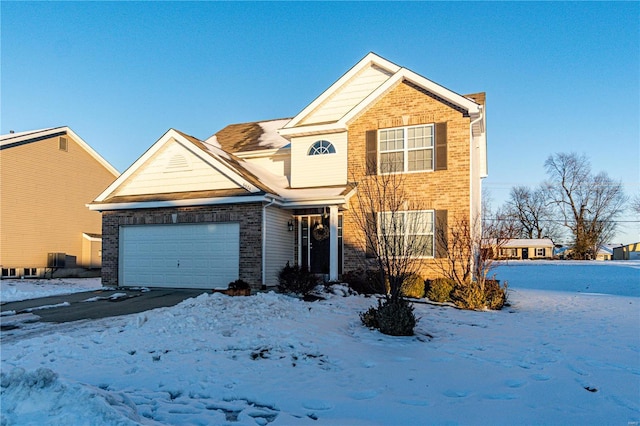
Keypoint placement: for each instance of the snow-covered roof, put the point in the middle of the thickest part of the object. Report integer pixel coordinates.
(12, 140)
(253, 136)
(526, 242)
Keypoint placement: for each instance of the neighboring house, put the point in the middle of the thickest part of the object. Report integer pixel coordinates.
(627, 252)
(255, 196)
(47, 177)
(605, 251)
(524, 248)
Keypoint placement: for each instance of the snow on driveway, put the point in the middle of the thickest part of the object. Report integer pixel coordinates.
(560, 354)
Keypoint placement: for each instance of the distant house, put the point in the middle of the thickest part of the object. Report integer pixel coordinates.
(522, 248)
(605, 251)
(256, 195)
(627, 252)
(46, 179)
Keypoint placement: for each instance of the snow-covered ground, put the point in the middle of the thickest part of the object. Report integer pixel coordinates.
(13, 290)
(567, 351)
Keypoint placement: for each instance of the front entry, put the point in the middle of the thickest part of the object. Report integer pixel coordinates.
(315, 245)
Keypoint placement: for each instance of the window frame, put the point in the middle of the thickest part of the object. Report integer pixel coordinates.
(406, 234)
(541, 252)
(321, 147)
(405, 150)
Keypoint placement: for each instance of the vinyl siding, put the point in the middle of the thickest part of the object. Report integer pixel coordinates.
(279, 243)
(318, 170)
(174, 169)
(348, 96)
(43, 197)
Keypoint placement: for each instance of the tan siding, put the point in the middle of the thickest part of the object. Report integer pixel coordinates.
(348, 96)
(43, 197)
(318, 170)
(174, 169)
(440, 190)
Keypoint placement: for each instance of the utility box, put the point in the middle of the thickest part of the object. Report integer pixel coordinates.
(56, 260)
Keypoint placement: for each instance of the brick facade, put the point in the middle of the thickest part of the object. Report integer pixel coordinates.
(249, 216)
(449, 189)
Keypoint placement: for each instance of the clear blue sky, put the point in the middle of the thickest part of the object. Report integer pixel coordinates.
(559, 77)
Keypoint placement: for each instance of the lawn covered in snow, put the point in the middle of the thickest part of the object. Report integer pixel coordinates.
(567, 351)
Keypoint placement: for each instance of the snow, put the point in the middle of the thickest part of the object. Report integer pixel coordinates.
(270, 138)
(13, 290)
(567, 351)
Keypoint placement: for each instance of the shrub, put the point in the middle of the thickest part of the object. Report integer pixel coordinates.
(239, 285)
(393, 317)
(474, 296)
(296, 279)
(365, 281)
(413, 286)
(440, 289)
(496, 296)
(370, 317)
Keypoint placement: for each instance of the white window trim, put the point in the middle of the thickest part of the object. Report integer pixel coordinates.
(540, 251)
(405, 150)
(432, 233)
(319, 148)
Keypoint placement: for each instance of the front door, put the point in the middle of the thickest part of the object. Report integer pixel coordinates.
(315, 243)
(525, 253)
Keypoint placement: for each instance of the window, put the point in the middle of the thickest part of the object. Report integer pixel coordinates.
(8, 272)
(30, 272)
(322, 147)
(509, 252)
(63, 144)
(540, 252)
(408, 232)
(406, 149)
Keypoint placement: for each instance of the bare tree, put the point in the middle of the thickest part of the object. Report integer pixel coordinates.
(532, 212)
(386, 215)
(588, 204)
(470, 252)
(635, 204)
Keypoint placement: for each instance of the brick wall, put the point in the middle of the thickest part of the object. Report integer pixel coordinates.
(249, 216)
(406, 105)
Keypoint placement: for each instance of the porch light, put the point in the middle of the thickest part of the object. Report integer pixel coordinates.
(290, 225)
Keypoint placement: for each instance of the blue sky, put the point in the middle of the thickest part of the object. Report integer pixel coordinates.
(559, 77)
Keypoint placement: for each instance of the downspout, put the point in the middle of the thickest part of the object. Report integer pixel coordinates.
(264, 242)
(471, 192)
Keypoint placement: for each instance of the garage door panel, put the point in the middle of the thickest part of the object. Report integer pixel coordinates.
(184, 255)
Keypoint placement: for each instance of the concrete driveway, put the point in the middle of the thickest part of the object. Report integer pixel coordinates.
(98, 304)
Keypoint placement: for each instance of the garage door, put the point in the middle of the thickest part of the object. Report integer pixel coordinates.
(185, 255)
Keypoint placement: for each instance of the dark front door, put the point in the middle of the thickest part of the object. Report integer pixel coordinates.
(319, 244)
(525, 253)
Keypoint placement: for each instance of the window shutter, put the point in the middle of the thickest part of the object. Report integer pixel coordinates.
(442, 233)
(441, 146)
(372, 152)
(371, 226)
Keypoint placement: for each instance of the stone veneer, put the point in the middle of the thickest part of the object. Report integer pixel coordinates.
(249, 216)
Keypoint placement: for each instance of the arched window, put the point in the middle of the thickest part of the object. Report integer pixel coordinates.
(322, 147)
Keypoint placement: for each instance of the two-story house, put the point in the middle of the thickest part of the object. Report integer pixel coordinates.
(47, 177)
(254, 196)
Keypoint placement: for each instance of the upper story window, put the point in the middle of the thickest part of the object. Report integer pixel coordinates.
(406, 149)
(322, 147)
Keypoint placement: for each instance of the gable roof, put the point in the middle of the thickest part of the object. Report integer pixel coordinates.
(255, 183)
(254, 136)
(360, 87)
(12, 140)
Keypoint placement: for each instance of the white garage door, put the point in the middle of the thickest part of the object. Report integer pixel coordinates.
(185, 255)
